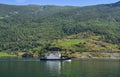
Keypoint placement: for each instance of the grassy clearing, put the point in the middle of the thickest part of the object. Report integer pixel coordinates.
(68, 42)
(4, 54)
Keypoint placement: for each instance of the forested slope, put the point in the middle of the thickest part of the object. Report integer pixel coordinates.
(23, 28)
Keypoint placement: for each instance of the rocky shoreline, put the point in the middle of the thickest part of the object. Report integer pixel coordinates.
(88, 55)
(97, 55)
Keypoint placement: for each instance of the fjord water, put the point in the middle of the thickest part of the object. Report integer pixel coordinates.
(75, 68)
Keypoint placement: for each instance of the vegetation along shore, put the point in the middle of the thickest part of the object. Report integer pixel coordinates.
(85, 32)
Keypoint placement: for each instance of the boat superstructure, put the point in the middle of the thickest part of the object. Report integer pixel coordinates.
(55, 56)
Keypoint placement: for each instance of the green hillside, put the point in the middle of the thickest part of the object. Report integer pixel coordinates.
(36, 28)
(87, 43)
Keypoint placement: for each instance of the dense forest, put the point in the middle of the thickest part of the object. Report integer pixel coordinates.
(38, 28)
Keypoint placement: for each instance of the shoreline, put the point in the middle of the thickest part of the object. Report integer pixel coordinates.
(96, 55)
(82, 55)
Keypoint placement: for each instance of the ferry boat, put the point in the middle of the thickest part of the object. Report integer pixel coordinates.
(55, 56)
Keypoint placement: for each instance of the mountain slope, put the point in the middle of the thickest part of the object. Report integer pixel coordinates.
(23, 27)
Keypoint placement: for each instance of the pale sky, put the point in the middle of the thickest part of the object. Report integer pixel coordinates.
(58, 2)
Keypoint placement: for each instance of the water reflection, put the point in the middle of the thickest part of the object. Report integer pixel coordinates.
(54, 67)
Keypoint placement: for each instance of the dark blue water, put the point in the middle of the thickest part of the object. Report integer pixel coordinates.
(14, 67)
